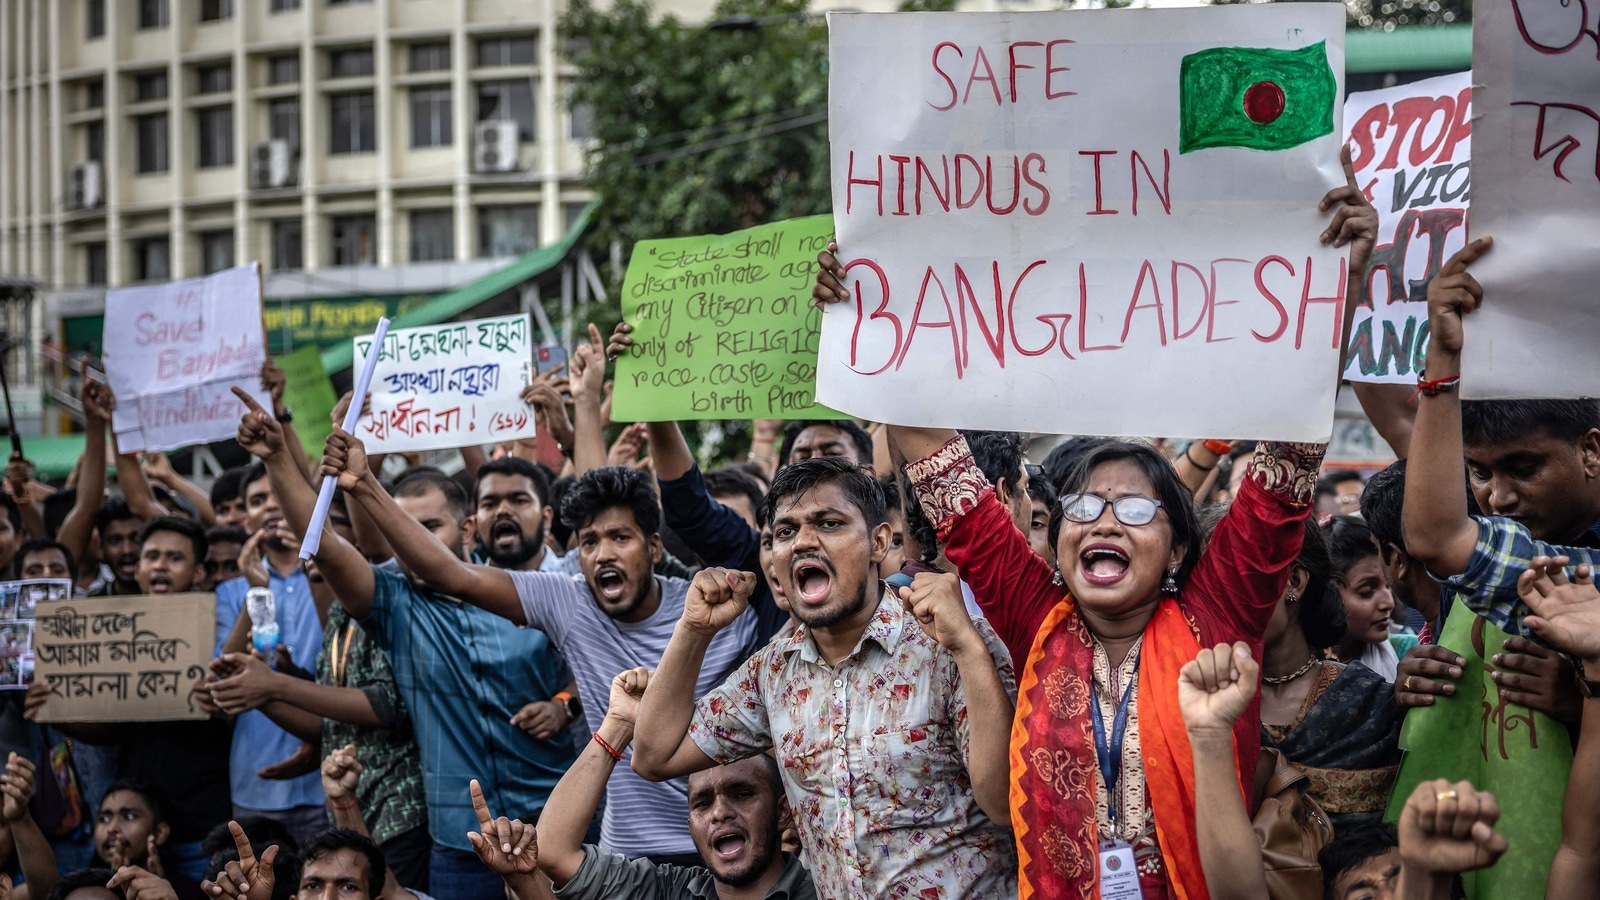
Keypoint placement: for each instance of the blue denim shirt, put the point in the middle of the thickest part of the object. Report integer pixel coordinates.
(257, 741)
(463, 673)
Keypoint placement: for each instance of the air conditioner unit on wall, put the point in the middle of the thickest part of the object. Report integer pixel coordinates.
(271, 165)
(84, 190)
(494, 147)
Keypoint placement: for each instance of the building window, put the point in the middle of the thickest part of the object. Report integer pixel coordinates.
(505, 51)
(430, 117)
(94, 264)
(346, 2)
(580, 120)
(94, 23)
(570, 213)
(216, 251)
(214, 79)
(508, 101)
(94, 94)
(433, 236)
(215, 126)
(94, 141)
(353, 124)
(285, 5)
(215, 10)
(283, 121)
(152, 259)
(152, 132)
(433, 57)
(153, 13)
(283, 70)
(288, 244)
(150, 86)
(352, 63)
(355, 240)
(507, 230)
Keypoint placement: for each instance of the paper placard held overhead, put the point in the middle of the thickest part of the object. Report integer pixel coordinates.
(449, 385)
(1087, 222)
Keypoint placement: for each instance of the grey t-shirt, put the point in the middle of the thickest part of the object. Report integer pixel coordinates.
(642, 818)
(607, 876)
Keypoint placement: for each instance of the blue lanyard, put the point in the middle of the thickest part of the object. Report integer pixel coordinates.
(1110, 758)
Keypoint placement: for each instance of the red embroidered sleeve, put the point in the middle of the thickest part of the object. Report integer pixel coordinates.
(949, 483)
(1287, 470)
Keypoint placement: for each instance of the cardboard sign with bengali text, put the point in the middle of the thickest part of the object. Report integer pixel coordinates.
(723, 326)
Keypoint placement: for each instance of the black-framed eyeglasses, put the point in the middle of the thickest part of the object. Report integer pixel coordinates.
(1132, 511)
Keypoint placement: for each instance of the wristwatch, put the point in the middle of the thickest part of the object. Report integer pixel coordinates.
(573, 707)
(287, 417)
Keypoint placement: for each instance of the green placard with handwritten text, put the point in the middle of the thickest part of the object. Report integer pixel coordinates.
(723, 326)
(309, 395)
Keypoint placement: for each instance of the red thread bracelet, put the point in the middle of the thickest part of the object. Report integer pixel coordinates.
(1220, 448)
(1436, 386)
(615, 753)
(351, 805)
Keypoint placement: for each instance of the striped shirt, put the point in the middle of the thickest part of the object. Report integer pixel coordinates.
(642, 818)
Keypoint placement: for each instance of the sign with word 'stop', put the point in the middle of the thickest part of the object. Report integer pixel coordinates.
(448, 385)
(173, 352)
(123, 659)
(723, 326)
(1412, 154)
(1087, 222)
(1536, 191)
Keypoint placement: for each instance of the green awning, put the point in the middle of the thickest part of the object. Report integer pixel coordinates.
(446, 306)
(54, 456)
(1416, 48)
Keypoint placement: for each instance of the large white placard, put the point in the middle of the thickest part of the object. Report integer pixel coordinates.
(173, 351)
(1088, 221)
(1413, 159)
(1536, 190)
(449, 385)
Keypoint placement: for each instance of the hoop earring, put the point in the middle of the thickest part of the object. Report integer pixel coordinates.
(1170, 584)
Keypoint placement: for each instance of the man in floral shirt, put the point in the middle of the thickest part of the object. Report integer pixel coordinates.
(890, 716)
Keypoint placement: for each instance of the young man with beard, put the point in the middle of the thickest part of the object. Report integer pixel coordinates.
(258, 742)
(891, 717)
(118, 527)
(736, 816)
(615, 616)
(463, 673)
(513, 513)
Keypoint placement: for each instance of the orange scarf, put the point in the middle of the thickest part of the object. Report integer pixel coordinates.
(1053, 769)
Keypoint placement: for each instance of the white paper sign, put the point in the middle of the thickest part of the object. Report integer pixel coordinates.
(173, 351)
(449, 385)
(1412, 151)
(1092, 222)
(1536, 158)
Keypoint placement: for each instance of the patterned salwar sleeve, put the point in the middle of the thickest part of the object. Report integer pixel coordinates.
(1012, 584)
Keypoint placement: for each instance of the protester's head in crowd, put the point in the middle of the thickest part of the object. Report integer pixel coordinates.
(808, 440)
(1065, 456)
(1381, 506)
(560, 536)
(1368, 605)
(1362, 863)
(176, 504)
(1041, 496)
(130, 816)
(774, 581)
(1312, 601)
(262, 832)
(894, 510)
(43, 558)
(223, 544)
(171, 553)
(1114, 561)
(85, 884)
(340, 864)
(737, 814)
(1536, 461)
(261, 510)
(616, 521)
(119, 528)
(1338, 493)
(734, 488)
(999, 454)
(227, 497)
(754, 470)
(438, 502)
(829, 532)
(512, 499)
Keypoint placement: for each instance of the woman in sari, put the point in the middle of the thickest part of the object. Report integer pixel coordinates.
(1368, 605)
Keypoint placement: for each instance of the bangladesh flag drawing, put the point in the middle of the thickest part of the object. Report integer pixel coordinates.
(1254, 98)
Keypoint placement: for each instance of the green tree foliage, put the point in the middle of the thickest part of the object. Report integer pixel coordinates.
(1386, 15)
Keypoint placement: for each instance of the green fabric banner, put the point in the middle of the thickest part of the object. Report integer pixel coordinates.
(723, 326)
(309, 395)
(1522, 756)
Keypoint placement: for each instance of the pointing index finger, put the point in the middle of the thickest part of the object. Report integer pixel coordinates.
(1349, 165)
(481, 807)
(244, 396)
(247, 856)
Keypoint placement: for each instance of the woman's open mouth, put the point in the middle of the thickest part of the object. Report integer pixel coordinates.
(1104, 564)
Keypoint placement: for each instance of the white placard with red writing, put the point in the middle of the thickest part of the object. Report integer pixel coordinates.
(1412, 150)
(1536, 191)
(1092, 222)
(448, 385)
(173, 351)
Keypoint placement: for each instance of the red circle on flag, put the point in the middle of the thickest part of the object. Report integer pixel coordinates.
(1263, 102)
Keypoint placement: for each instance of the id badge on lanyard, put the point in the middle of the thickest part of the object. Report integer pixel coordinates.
(1119, 876)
